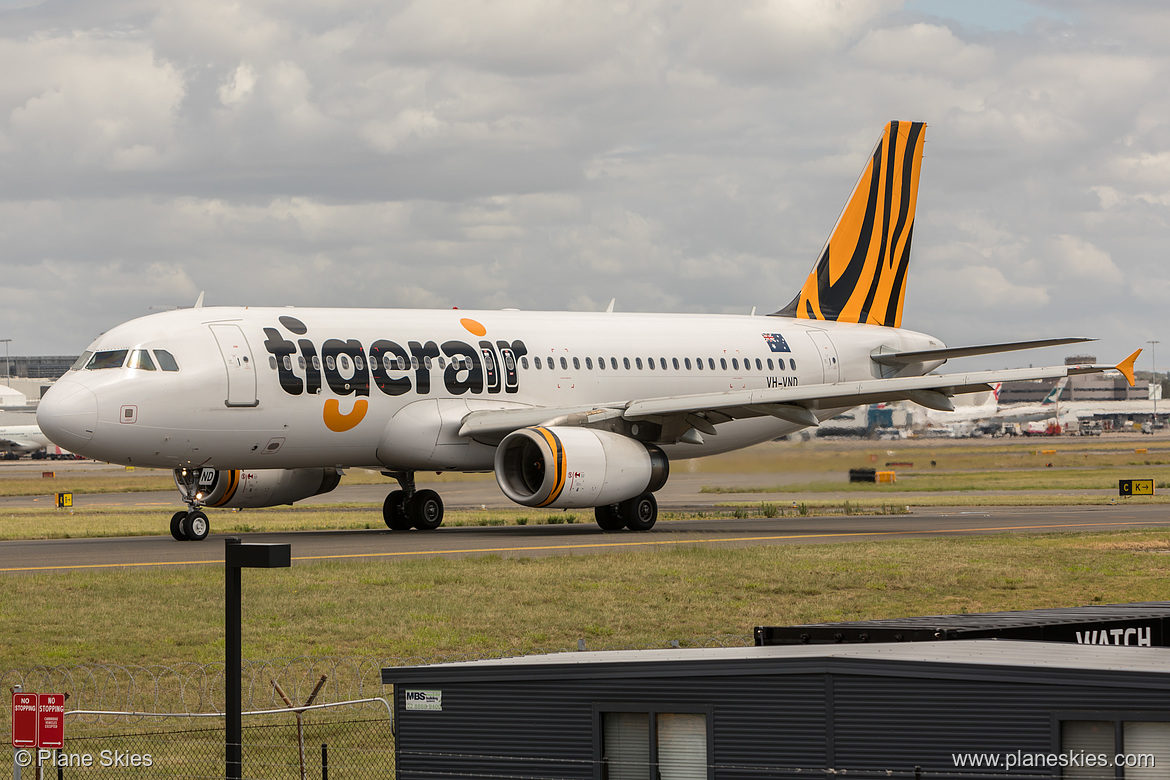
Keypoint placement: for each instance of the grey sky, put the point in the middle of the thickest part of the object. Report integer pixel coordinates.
(547, 155)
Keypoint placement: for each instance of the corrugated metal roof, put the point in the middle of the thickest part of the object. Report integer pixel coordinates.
(986, 653)
(1031, 617)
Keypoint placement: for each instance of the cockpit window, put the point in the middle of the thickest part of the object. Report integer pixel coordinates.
(140, 359)
(166, 361)
(113, 358)
(81, 361)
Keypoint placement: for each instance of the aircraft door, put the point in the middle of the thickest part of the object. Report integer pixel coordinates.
(237, 357)
(827, 353)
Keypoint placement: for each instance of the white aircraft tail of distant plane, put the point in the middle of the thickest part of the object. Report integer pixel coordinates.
(263, 406)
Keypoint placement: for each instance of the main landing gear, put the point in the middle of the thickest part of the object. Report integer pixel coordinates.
(638, 514)
(192, 525)
(409, 508)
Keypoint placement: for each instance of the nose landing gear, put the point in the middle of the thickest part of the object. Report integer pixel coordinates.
(410, 508)
(192, 525)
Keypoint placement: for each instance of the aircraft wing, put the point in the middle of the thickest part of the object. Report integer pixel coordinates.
(795, 404)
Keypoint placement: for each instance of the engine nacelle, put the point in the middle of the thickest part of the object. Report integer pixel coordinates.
(577, 467)
(255, 488)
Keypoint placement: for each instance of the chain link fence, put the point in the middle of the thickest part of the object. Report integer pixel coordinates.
(168, 721)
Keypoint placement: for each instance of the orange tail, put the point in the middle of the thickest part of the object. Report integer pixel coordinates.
(861, 273)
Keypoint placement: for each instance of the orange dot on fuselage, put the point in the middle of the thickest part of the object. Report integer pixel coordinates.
(473, 327)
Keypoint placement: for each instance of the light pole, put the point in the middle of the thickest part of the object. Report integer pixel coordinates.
(1154, 390)
(7, 370)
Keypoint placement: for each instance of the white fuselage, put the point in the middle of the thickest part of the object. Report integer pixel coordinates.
(295, 388)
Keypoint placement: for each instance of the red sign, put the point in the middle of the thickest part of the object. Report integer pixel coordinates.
(51, 720)
(24, 720)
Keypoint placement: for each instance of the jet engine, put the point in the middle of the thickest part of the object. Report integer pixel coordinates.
(577, 467)
(255, 488)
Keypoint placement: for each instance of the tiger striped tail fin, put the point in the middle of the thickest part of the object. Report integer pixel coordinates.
(861, 273)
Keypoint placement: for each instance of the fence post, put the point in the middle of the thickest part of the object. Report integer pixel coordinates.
(324, 761)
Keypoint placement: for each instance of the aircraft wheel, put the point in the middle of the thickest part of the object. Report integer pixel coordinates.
(608, 518)
(394, 511)
(195, 526)
(425, 510)
(640, 513)
(177, 526)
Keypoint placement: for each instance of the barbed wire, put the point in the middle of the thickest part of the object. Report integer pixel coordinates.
(192, 687)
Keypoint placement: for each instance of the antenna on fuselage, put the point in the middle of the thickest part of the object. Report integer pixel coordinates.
(199, 300)
(609, 309)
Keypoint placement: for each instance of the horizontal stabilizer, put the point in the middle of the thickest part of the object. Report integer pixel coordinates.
(946, 353)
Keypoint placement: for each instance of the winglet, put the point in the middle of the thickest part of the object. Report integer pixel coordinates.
(1126, 367)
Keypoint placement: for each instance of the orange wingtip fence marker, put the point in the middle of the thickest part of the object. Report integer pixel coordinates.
(1126, 367)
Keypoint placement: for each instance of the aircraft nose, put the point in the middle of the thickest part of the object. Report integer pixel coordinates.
(68, 415)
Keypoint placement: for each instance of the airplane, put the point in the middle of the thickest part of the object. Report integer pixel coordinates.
(262, 406)
(23, 439)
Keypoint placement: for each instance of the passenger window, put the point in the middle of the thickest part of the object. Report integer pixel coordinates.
(662, 362)
(626, 363)
(699, 363)
(589, 363)
(536, 360)
(81, 361)
(166, 361)
(524, 362)
(759, 365)
(112, 358)
(288, 363)
(711, 363)
(638, 361)
(735, 363)
(564, 364)
(301, 363)
(792, 362)
(613, 363)
(723, 363)
(140, 359)
(576, 363)
(674, 362)
(770, 365)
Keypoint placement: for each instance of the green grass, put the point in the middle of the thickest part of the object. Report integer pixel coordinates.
(1104, 479)
(434, 608)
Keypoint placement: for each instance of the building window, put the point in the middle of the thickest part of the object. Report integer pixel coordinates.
(1142, 747)
(660, 745)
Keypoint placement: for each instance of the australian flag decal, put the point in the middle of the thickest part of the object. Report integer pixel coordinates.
(776, 342)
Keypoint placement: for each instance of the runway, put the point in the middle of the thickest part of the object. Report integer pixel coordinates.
(62, 555)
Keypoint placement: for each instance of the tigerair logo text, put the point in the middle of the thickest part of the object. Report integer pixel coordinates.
(349, 368)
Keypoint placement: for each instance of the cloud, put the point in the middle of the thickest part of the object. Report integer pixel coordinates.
(551, 155)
